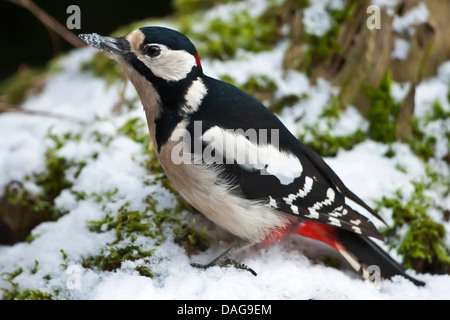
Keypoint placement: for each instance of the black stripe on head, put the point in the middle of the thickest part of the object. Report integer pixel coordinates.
(168, 37)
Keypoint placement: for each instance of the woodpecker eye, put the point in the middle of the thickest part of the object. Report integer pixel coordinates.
(153, 51)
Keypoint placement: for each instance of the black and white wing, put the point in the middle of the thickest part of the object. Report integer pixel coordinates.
(264, 161)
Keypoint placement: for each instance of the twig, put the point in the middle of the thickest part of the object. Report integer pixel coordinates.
(119, 104)
(13, 108)
(50, 22)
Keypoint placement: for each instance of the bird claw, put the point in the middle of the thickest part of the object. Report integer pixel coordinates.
(225, 263)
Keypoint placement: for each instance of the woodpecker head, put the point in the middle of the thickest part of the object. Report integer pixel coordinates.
(161, 63)
(163, 56)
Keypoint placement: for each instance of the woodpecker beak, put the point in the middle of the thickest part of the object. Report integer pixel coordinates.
(117, 46)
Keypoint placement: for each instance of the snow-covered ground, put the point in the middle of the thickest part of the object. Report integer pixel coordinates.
(286, 270)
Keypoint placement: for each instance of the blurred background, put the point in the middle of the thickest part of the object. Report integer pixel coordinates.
(30, 43)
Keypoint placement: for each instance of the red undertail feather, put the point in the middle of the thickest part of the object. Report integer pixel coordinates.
(309, 229)
(318, 231)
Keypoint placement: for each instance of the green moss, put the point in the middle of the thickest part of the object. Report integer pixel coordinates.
(32, 295)
(319, 138)
(145, 272)
(19, 197)
(332, 110)
(10, 276)
(32, 208)
(34, 269)
(103, 67)
(383, 111)
(328, 146)
(276, 105)
(13, 292)
(420, 144)
(221, 39)
(192, 239)
(318, 49)
(15, 87)
(160, 218)
(423, 245)
(448, 94)
(229, 79)
(437, 112)
(261, 87)
(125, 224)
(136, 130)
(113, 257)
(53, 180)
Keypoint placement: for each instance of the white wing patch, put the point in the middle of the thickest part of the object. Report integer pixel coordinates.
(301, 193)
(334, 222)
(251, 156)
(357, 229)
(194, 96)
(313, 213)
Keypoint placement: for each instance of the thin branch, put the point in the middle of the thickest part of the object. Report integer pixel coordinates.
(50, 22)
(120, 103)
(4, 107)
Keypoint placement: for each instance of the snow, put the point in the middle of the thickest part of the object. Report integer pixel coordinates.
(287, 269)
(413, 17)
(383, 178)
(399, 91)
(349, 121)
(389, 5)
(316, 18)
(401, 49)
(226, 11)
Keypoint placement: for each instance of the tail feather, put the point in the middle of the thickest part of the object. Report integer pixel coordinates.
(359, 251)
(367, 253)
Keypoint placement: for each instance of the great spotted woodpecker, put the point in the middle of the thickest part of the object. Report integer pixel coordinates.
(234, 160)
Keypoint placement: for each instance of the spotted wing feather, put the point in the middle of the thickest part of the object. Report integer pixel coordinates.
(316, 194)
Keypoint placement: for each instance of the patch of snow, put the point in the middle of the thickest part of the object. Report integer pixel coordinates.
(316, 19)
(431, 90)
(413, 17)
(401, 49)
(308, 111)
(349, 122)
(389, 5)
(383, 178)
(247, 64)
(226, 11)
(399, 91)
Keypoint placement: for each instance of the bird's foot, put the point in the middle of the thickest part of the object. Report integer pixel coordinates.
(224, 263)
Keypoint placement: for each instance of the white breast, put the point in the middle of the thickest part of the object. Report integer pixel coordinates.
(201, 186)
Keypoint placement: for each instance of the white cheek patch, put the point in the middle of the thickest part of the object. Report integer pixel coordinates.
(170, 65)
(250, 156)
(194, 96)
